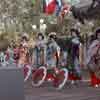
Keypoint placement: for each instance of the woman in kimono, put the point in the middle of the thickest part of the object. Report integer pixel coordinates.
(53, 51)
(23, 51)
(75, 53)
(39, 61)
(93, 59)
(38, 57)
(56, 73)
(24, 57)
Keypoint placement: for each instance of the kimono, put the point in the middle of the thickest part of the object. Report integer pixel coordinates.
(93, 53)
(16, 54)
(93, 61)
(75, 47)
(39, 53)
(23, 56)
(52, 54)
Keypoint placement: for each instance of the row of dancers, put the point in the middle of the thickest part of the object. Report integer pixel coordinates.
(52, 52)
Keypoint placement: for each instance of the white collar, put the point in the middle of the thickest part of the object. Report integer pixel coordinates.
(76, 40)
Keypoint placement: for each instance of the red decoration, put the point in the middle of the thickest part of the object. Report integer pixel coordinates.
(73, 77)
(50, 76)
(56, 82)
(94, 80)
(25, 71)
(37, 74)
(65, 10)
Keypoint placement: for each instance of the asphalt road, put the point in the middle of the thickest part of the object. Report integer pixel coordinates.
(80, 91)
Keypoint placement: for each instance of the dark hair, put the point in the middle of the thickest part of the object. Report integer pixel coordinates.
(53, 37)
(24, 38)
(97, 32)
(92, 38)
(76, 32)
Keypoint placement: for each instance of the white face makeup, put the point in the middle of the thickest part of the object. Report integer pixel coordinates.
(40, 37)
(74, 34)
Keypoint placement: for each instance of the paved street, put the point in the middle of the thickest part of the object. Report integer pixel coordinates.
(80, 91)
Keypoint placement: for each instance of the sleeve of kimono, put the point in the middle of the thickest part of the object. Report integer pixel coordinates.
(81, 48)
(33, 53)
(58, 49)
(45, 48)
(93, 48)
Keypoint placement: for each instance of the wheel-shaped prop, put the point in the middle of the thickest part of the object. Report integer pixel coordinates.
(61, 79)
(27, 72)
(39, 76)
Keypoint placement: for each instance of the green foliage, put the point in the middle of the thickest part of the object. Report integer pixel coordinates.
(4, 42)
(5, 39)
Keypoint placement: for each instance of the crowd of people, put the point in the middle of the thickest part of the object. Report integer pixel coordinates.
(53, 53)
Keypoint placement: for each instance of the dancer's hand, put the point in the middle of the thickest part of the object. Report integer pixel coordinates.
(56, 70)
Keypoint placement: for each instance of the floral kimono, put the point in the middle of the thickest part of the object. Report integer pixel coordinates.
(93, 61)
(23, 56)
(39, 53)
(52, 52)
